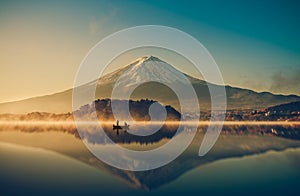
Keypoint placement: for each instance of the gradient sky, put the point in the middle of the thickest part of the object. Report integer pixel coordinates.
(256, 43)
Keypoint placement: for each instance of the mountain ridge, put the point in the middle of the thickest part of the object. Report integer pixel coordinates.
(237, 98)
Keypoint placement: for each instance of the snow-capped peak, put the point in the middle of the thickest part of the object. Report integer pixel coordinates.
(143, 60)
(148, 68)
(151, 58)
(145, 68)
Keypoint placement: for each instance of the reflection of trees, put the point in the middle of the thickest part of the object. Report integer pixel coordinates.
(290, 132)
(122, 136)
(94, 135)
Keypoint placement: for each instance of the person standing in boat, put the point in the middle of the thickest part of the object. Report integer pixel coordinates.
(117, 122)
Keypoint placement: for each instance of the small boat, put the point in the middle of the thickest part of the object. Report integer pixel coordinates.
(126, 126)
(116, 126)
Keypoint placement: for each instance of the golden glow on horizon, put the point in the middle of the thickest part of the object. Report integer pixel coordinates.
(200, 123)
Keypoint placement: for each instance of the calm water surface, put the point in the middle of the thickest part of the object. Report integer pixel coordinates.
(245, 160)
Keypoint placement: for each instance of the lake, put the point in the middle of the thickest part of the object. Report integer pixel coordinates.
(245, 160)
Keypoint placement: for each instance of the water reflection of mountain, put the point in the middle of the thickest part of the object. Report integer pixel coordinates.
(228, 145)
(234, 141)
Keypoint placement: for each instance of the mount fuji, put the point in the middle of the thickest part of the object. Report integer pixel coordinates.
(146, 68)
(149, 67)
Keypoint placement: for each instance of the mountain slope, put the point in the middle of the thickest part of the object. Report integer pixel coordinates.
(287, 108)
(143, 68)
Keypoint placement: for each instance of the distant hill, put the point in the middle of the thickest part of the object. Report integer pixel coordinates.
(149, 67)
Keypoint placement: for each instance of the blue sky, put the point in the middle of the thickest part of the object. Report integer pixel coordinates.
(255, 43)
